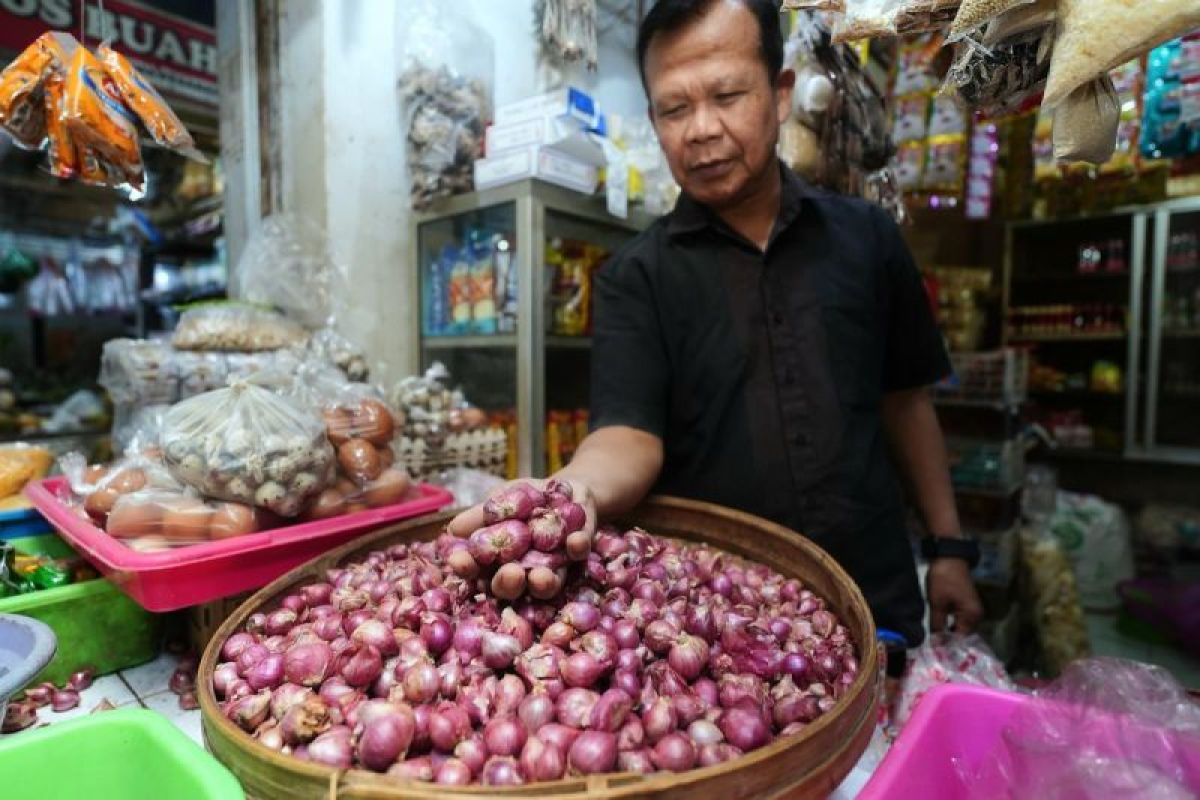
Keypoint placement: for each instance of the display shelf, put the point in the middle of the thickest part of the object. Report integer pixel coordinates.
(1078, 454)
(505, 233)
(569, 342)
(1181, 333)
(1101, 336)
(1035, 280)
(1074, 394)
(474, 342)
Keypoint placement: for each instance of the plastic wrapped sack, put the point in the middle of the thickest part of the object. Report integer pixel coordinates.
(1095, 36)
(1094, 535)
(358, 423)
(287, 264)
(948, 658)
(445, 65)
(1107, 729)
(237, 328)
(247, 444)
(157, 519)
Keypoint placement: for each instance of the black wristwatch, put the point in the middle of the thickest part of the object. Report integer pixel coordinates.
(951, 547)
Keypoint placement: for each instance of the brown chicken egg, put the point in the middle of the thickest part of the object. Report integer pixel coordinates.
(130, 520)
(359, 459)
(373, 422)
(128, 480)
(99, 503)
(389, 488)
(230, 520)
(329, 503)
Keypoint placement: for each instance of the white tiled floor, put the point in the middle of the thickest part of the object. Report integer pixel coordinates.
(144, 685)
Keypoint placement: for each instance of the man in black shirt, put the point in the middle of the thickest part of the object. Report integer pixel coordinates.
(763, 345)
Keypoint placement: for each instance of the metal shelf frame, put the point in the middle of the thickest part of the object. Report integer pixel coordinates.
(533, 201)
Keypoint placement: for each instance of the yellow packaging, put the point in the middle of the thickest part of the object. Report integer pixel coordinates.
(145, 101)
(21, 111)
(98, 119)
(63, 155)
(20, 464)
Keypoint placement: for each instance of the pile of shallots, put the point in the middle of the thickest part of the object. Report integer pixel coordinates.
(649, 654)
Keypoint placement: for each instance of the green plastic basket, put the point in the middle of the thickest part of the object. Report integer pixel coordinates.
(130, 754)
(95, 622)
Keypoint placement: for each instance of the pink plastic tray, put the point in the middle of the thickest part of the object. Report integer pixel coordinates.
(956, 724)
(199, 573)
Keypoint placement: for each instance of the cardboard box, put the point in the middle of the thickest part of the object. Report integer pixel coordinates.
(544, 163)
(510, 136)
(566, 102)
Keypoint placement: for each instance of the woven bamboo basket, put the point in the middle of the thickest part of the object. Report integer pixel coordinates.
(807, 765)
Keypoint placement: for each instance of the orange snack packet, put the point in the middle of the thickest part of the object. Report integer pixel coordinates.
(98, 119)
(95, 170)
(151, 109)
(62, 155)
(21, 104)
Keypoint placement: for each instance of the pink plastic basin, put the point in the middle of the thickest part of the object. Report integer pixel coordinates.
(199, 573)
(961, 727)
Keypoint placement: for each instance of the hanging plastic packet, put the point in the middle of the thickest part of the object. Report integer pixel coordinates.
(98, 119)
(1095, 36)
(62, 154)
(1000, 79)
(867, 19)
(162, 123)
(21, 111)
(1085, 124)
(974, 14)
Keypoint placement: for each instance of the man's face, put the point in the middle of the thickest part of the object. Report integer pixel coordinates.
(714, 109)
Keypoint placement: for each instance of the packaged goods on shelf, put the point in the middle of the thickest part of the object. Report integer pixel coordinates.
(567, 103)
(1168, 131)
(471, 287)
(545, 163)
(571, 266)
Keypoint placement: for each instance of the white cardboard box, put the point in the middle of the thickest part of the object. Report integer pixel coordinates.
(566, 102)
(536, 162)
(564, 136)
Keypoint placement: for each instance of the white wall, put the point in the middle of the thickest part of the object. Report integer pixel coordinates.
(343, 147)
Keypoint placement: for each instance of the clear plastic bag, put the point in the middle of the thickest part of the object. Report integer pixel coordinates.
(287, 264)
(867, 19)
(1107, 729)
(156, 519)
(236, 328)
(974, 14)
(247, 444)
(331, 347)
(358, 422)
(445, 67)
(95, 488)
(948, 658)
(1094, 36)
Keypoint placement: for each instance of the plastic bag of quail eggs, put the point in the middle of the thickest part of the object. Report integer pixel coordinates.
(248, 444)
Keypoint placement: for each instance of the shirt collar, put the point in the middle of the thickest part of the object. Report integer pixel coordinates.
(690, 215)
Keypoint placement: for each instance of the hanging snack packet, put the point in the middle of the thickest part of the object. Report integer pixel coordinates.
(22, 111)
(63, 155)
(97, 117)
(151, 109)
(1094, 36)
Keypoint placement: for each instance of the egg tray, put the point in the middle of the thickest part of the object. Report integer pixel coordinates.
(186, 576)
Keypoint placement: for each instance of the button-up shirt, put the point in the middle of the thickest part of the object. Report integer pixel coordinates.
(763, 372)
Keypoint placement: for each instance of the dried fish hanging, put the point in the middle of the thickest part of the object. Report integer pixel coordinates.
(566, 31)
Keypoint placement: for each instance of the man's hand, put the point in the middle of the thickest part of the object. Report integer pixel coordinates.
(578, 544)
(951, 592)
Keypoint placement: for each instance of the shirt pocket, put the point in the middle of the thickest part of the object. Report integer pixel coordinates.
(855, 349)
